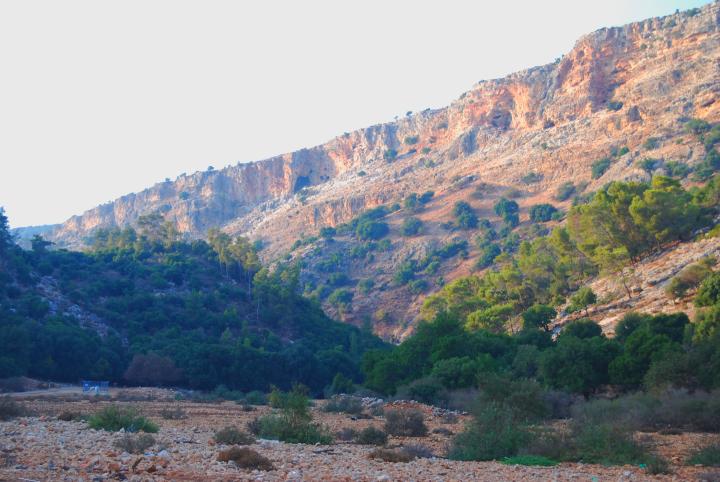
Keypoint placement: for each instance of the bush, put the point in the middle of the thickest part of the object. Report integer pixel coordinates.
(411, 226)
(465, 215)
(346, 434)
(600, 167)
(708, 456)
(176, 413)
(651, 143)
(69, 416)
(418, 451)
(256, 398)
(134, 444)
(294, 422)
(656, 465)
(115, 418)
(233, 436)
(371, 436)
(405, 423)
(565, 191)
(344, 404)
(689, 278)
(494, 433)
(9, 409)
(541, 213)
(246, 458)
(531, 178)
(391, 455)
(606, 444)
(531, 460)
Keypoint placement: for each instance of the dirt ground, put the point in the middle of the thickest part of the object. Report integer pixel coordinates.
(41, 447)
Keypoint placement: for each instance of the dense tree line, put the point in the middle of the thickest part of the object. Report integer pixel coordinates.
(497, 324)
(198, 314)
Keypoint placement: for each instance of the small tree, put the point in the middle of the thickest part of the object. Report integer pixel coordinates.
(538, 316)
(583, 298)
(411, 226)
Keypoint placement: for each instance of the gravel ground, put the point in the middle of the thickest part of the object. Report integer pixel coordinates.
(44, 448)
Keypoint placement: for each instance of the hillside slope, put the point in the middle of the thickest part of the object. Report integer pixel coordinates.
(627, 87)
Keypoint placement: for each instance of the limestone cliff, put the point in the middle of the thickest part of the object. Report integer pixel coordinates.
(617, 87)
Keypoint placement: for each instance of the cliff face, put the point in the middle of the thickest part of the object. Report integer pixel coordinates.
(552, 120)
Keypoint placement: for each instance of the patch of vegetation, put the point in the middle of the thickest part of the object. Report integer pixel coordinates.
(344, 404)
(232, 435)
(390, 154)
(690, 277)
(293, 424)
(600, 167)
(465, 216)
(405, 423)
(134, 444)
(371, 436)
(529, 460)
(391, 455)
(115, 417)
(531, 177)
(542, 213)
(10, 409)
(411, 140)
(708, 456)
(565, 191)
(651, 143)
(411, 226)
(246, 458)
(176, 413)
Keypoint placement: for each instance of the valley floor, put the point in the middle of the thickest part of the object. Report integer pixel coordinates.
(41, 447)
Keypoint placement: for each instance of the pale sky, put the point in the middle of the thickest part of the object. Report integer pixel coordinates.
(99, 99)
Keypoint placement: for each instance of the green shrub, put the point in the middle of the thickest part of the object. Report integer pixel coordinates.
(344, 404)
(531, 460)
(411, 140)
(411, 226)
(541, 213)
(656, 465)
(294, 422)
(606, 444)
(651, 143)
(494, 433)
(371, 436)
(256, 397)
(233, 436)
(565, 191)
(531, 178)
(390, 154)
(134, 444)
(405, 423)
(246, 458)
(689, 278)
(114, 418)
(708, 456)
(600, 167)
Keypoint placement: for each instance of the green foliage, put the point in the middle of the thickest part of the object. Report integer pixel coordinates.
(493, 434)
(565, 191)
(195, 314)
(508, 210)
(390, 154)
(114, 418)
(328, 232)
(411, 140)
(411, 226)
(583, 298)
(600, 167)
(538, 316)
(709, 292)
(578, 365)
(465, 215)
(531, 178)
(293, 424)
(651, 143)
(677, 169)
(689, 278)
(529, 460)
(369, 229)
(614, 105)
(541, 213)
(708, 456)
(648, 165)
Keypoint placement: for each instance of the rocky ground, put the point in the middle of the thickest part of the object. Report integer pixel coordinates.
(42, 447)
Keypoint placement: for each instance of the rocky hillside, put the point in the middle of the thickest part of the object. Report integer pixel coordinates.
(623, 94)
